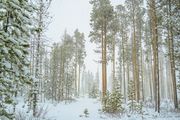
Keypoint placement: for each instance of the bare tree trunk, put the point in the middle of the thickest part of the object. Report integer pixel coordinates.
(141, 62)
(124, 77)
(155, 53)
(134, 58)
(105, 61)
(37, 69)
(150, 79)
(113, 62)
(75, 83)
(102, 47)
(142, 74)
(79, 72)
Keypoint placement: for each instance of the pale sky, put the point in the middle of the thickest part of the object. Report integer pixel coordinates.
(69, 15)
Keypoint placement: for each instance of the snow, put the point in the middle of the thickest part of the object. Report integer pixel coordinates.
(75, 111)
(7, 64)
(5, 50)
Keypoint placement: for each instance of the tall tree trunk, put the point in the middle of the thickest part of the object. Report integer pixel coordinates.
(141, 60)
(79, 72)
(123, 62)
(105, 60)
(150, 79)
(128, 69)
(155, 53)
(37, 69)
(102, 49)
(75, 82)
(171, 56)
(134, 57)
(113, 62)
(161, 77)
(142, 74)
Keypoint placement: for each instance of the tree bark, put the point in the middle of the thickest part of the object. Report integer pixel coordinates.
(79, 72)
(171, 57)
(113, 62)
(102, 49)
(134, 58)
(155, 53)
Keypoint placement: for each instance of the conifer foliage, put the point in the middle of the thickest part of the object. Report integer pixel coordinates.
(66, 60)
(113, 102)
(15, 28)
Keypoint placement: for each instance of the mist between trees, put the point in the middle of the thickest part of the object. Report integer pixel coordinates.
(139, 39)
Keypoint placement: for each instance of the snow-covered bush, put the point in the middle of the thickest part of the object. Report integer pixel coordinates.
(41, 112)
(86, 113)
(134, 107)
(148, 102)
(40, 115)
(105, 99)
(178, 85)
(113, 102)
(93, 93)
(20, 115)
(167, 104)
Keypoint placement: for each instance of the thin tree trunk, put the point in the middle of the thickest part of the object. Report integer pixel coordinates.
(75, 83)
(113, 62)
(105, 60)
(142, 75)
(79, 71)
(124, 81)
(155, 53)
(102, 47)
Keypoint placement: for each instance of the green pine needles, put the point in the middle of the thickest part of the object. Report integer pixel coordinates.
(112, 102)
(15, 28)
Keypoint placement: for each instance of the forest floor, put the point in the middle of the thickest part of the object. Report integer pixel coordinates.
(75, 111)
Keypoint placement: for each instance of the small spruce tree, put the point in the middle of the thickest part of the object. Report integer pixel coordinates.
(132, 104)
(86, 113)
(113, 102)
(93, 93)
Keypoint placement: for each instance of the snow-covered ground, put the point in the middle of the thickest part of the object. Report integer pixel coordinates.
(75, 111)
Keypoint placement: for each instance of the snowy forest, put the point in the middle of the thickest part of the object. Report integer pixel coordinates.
(134, 76)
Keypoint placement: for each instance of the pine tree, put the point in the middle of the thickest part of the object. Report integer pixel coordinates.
(15, 30)
(133, 9)
(112, 41)
(93, 93)
(155, 46)
(54, 72)
(80, 54)
(40, 18)
(101, 17)
(133, 105)
(113, 102)
(169, 23)
(62, 69)
(122, 46)
(131, 95)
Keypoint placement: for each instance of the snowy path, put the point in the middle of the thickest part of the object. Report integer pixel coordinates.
(75, 110)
